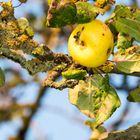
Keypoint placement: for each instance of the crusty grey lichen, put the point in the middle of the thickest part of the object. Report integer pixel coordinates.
(16, 37)
(131, 133)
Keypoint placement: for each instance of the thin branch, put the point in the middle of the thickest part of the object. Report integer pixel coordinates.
(14, 38)
(27, 119)
(124, 86)
(119, 122)
(131, 133)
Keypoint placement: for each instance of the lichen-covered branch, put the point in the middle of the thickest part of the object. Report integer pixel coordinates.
(131, 133)
(27, 119)
(50, 81)
(17, 44)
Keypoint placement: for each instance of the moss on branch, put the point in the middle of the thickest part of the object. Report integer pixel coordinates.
(131, 133)
(17, 43)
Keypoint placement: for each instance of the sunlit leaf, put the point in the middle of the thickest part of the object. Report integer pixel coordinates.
(126, 20)
(129, 26)
(86, 12)
(97, 133)
(124, 41)
(95, 98)
(74, 74)
(128, 61)
(71, 13)
(63, 15)
(122, 11)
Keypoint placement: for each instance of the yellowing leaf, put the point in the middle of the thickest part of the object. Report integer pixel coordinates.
(126, 20)
(129, 61)
(128, 66)
(74, 74)
(129, 26)
(95, 98)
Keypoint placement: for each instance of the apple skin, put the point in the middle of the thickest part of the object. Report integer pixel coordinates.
(49, 2)
(91, 44)
(63, 1)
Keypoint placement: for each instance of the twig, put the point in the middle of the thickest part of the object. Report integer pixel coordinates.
(124, 86)
(119, 122)
(27, 119)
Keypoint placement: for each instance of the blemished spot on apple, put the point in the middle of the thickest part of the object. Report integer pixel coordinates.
(108, 51)
(83, 28)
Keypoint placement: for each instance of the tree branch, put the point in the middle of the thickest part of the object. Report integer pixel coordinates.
(15, 37)
(131, 133)
(27, 119)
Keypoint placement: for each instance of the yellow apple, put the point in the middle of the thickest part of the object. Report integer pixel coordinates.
(90, 44)
(49, 2)
(63, 1)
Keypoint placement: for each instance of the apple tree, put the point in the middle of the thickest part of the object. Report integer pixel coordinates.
(97, 50)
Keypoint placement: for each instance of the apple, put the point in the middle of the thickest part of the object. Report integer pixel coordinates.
(91, 44)
(63, 1)
(49, 2)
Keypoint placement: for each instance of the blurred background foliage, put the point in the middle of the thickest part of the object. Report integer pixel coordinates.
(29, 111)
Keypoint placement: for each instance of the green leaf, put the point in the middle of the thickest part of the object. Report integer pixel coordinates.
(97, 133)
(70, 13)
(2, 78)
(74, 74)
(128, 66)
(95, 98)
(124, 41)
(126, 20)
(86, 12)
(128, 61)
(122, 11)
(63, 14)
(134, 95)
(128, 26)
(137, 14)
